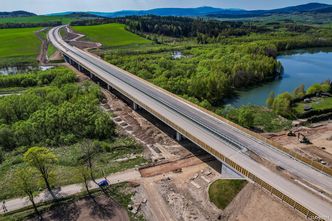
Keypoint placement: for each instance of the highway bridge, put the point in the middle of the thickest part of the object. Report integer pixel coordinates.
(231, 145)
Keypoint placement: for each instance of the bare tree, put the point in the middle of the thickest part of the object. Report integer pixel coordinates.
(88, 152)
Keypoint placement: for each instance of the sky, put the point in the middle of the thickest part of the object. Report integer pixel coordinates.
(52, 6)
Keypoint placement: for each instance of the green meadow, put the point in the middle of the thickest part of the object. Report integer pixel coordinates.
(111, 35)
(18, 46)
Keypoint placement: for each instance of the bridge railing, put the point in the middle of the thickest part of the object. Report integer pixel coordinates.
(283, 197)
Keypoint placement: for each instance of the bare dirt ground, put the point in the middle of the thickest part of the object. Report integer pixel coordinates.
(160, 146)
(42, 56)
(320, 135)
(252, 204)
(174, 166)
(100, 208)
(184, 196)
(74, 39)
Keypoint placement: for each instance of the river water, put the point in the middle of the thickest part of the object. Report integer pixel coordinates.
(22, 69)
(300, 67)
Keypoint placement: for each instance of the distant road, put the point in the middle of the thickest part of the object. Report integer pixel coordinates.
(222, 137)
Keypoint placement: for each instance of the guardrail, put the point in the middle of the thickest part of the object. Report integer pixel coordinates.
(283, 197)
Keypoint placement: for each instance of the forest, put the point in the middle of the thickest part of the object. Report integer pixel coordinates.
(57, 111)
(54, 133)
(289, 104)
(30, 25)
(185, 27)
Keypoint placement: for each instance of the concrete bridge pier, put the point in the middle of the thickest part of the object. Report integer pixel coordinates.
(109, 87)
(80, 68)
(229, 173)
(135, 106)
(178, 136)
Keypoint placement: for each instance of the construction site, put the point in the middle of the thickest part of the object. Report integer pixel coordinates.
(175, 184)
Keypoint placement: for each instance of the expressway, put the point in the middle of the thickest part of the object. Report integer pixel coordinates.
(222, 137)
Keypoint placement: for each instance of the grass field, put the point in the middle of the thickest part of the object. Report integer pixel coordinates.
(37, 19)
(317, 104)
(222, 192)
(18, 46)
(111, 35)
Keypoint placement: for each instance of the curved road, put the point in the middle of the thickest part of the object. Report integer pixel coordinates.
(226, 139)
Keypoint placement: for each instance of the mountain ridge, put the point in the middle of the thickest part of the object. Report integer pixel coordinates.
(211, 11)
(16, 14)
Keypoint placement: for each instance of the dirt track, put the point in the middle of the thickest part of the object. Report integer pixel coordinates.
(42, 56)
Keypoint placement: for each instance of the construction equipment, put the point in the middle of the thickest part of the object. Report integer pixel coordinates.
(303, 139)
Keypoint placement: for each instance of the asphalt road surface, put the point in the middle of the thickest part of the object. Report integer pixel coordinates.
(228, 140)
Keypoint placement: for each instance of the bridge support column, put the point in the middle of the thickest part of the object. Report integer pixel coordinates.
(109, 87)
(79, 68)
(227, 172)
(178, 136)
(135, 106)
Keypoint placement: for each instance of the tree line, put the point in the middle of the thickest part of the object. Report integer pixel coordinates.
(30, 25)
(180, 26)
(282, 104)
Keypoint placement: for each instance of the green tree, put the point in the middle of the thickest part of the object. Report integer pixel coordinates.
(299, 91)
(2, 155)
(43, 160)
(282, 104)
(270, 100)
(7, 138)
(315, 88)
(326, 87)
(26, 183)
(246, 117)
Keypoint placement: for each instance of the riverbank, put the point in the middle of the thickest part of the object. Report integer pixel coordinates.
(300, 67)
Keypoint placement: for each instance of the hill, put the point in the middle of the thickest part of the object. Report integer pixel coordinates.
(306, 8)
(201, 11)
(16, 14)
(111, 35)
(210, 11)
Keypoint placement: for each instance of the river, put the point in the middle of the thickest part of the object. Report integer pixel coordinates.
(300, 67)
(22, 69)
